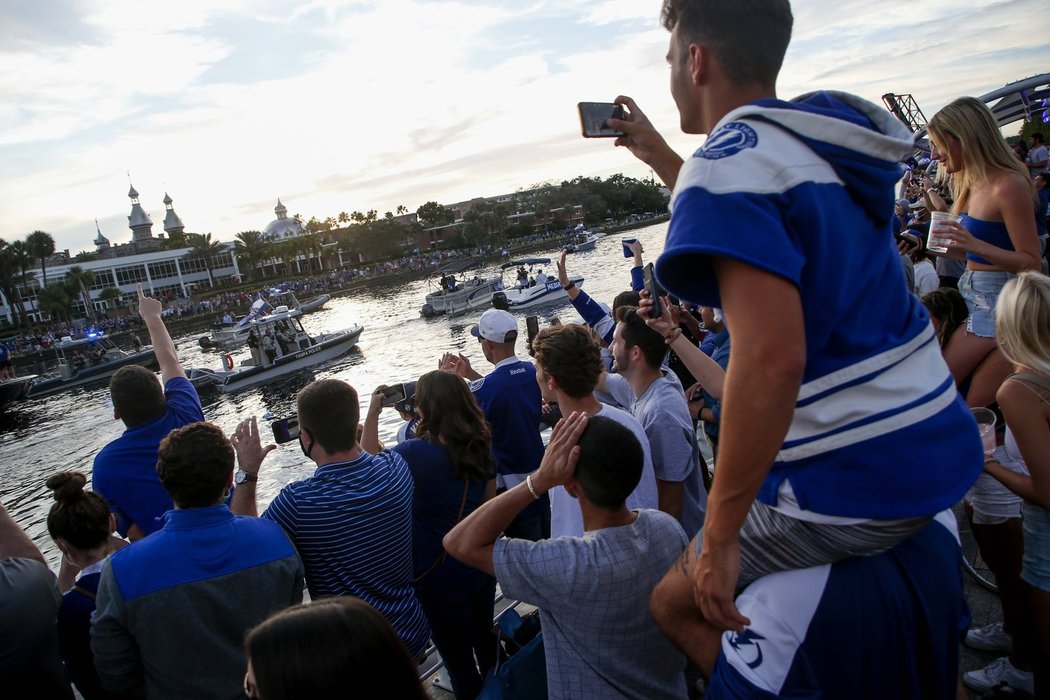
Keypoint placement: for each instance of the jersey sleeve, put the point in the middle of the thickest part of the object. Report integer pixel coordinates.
(182, 398)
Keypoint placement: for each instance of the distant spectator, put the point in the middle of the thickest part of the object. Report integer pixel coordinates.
(173, 609)
(599, 638)
(1037, 157)
(337, 647)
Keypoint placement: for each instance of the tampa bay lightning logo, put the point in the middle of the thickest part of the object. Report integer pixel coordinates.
(727, 141)
(747, 648)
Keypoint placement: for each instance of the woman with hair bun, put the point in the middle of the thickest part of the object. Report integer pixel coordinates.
(82, 527)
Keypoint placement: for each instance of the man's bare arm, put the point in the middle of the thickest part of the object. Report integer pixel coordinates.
(163, 347)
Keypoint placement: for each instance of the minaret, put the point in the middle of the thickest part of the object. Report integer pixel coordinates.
(280, 210)
(138, 221)
(172, 223)
(101, 242)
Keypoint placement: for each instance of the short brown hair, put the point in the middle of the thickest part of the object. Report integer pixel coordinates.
(636, 333)
(329, 409)
(137, 395)
(194, 464)
(748, 37)
(571, 355)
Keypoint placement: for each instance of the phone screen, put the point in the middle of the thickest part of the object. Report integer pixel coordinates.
(532, 326)
(653, 287)
(285, 430)
(393, 394)
(593, 116)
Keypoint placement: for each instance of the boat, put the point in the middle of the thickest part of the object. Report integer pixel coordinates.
(12, 390)
(582, 241)
(294, 350)
(456, 295)
(233, 335)
(518, 297)
(89, 360)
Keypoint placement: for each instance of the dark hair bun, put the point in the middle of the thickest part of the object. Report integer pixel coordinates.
(67, 485)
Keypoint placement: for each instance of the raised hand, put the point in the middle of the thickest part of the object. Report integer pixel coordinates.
(248, 445)
(148, 306)
(562, 453)
(563, 275)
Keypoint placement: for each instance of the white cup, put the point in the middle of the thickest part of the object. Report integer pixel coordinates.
(986, 427)
(937, 219)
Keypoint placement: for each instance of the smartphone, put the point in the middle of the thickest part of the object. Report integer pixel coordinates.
(593, 116)
(653, 287)
(285, 429)
(627, 251)
(532, 326)
(393, 394)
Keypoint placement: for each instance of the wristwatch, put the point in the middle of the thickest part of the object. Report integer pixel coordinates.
(242, 477)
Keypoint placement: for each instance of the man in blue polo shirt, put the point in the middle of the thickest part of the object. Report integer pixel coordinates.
(511, 401)
(125, 470)
(352, 520)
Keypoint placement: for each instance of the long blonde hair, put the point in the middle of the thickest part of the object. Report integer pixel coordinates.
(984, 149)
(1022, 321)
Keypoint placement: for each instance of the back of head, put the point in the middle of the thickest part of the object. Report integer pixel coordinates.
(329, 409)
(336, 647)
(636, 333)
(571, 354)
(610, 463)
(452, 418)
(137, 395)
(948, 308)
(194, 464)
(627, 298)
(748, 37)
(78, 517)
(1022, 321)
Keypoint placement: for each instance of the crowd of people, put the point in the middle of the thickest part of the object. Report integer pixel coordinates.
(816, 553)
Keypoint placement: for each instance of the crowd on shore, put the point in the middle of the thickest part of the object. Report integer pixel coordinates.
(848, 409)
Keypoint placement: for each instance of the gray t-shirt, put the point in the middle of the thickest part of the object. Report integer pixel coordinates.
(566, 518)
(664, 416)
(593, 595)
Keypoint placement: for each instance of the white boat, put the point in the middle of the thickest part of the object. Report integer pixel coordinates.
(583, 241)
(452, 295)
(85, 361)
(233, 335)
(293, 350)
(527, 297)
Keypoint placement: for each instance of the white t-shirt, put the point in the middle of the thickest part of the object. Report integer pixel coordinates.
(1038, 154)
(926, 279)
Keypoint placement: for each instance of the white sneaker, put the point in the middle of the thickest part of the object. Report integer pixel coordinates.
(998, 673)
(990, 638)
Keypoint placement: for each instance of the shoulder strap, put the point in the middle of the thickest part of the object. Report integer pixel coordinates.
(83, 591)
(1040, 382)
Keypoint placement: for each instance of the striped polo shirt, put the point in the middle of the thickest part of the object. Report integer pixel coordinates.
(352, 524)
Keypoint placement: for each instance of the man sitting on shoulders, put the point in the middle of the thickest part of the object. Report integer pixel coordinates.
(592, 591)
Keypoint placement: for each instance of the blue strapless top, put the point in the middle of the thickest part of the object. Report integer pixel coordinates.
(991, 232)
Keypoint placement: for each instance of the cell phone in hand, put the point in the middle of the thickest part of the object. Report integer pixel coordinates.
(285, 429)
(532, 326)
(393, 394)
(653, 287)
(593, 116)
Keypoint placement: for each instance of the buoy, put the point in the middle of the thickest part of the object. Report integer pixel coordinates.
(228, 358)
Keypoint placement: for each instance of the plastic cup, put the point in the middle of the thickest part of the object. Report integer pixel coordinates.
(627, 251)
(937, 220)
(986, 427)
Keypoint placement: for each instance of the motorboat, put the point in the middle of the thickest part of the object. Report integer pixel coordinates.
(233, 334)
(583, 241)
(12, 390)
(455, 295)
(529, 292)
(89, 360)
(277, 345)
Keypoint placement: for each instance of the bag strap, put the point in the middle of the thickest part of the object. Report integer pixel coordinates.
(441, 557)
(1040, 382)
(83, 591)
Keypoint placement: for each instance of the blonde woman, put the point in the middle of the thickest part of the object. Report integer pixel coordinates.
(993, 192)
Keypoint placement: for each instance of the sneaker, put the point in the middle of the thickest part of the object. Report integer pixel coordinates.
(990, 638)
(998, 673)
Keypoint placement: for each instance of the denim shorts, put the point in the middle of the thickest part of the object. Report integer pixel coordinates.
(980, 289)
(1035, 565)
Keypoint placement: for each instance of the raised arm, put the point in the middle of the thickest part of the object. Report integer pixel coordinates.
(163, 347)
(370, 432)
(645, 142)
(247, 443)
(706, 371)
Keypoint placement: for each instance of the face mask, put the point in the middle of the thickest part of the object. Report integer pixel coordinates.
(306, 450)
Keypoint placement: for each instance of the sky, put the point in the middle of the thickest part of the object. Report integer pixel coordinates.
(343, 105)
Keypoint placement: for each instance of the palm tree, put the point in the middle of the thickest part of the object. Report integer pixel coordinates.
(18, 255)
(111, 294)
(79, 280)
(251, 248)
(310, 245)
(55, 301)
(202, 246)
(41, 245)
(401, 209)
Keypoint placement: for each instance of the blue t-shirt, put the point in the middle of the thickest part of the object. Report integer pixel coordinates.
(882, 626)
(125, 470)
(352, 524)
(804, 191)
(510, 399)
(5, 355)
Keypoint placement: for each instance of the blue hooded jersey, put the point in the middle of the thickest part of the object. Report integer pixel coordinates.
(805, 191)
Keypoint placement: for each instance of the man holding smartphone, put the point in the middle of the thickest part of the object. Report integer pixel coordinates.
(827, 444)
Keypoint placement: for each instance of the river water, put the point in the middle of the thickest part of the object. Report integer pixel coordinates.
(63, 432)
